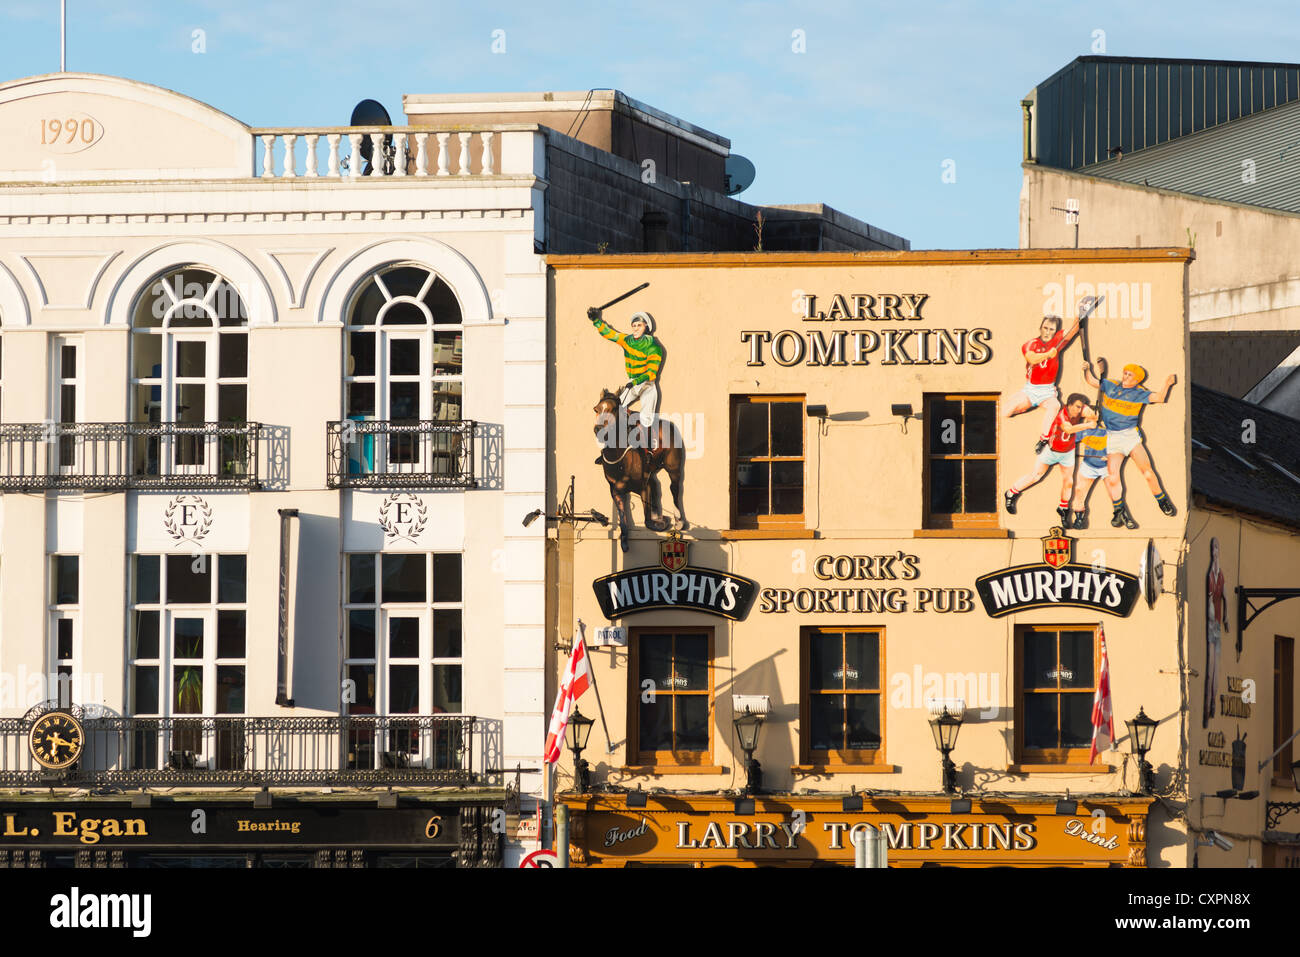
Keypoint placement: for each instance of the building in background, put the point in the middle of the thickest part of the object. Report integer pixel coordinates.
(272, 405)
(825, 543)
(1153, 152)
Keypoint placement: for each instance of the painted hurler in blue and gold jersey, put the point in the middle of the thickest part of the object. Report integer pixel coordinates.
(1121, 410)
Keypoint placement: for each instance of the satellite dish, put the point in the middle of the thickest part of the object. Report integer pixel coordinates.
(739, 173)
(372, 113)
(1151, 572)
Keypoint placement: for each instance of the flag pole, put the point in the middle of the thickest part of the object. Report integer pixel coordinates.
(609, 745)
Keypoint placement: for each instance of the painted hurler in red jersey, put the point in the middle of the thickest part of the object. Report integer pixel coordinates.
(1075, 417)
(1042, 367)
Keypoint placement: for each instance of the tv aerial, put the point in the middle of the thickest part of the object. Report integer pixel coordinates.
(739, 173)
(372, 113)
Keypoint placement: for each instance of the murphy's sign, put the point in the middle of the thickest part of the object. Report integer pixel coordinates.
(674, 583)
(1057, 582)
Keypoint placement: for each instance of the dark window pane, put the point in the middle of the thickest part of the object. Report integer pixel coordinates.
(64, 639)
(191, 359)
(446, 633)
(825, 659)
(67, 574)
(863, 722)
(654, 724)
(146, 634)
(187, 637)
(230, 689)
(1040, 659)
(232, 403)
(1076, 720)
(403, 689)
(787, 488)
(945, 427)
(691, 663)
(981, 485)
(787, 428)
(363, 679)
(403, 400)
(751, 429)
(862, 661)
(446, 577)
(367, 305)
(67, 403)
(1076, 659)
(189, 580)
(146, 579)
(232, 355)
(656, 661)
(403, 637)
(361, 634)
(405, 281)
(232, 574)
(404, 314)
(361, 353)
(361, 579)
(145, 693)
(1040, 721)
(692, 722)
(981, 427)
(442, 303)
(945, 486)
(827, 713)
(751, 488)
(361, 398)
(403, 356)
(187, 690)
(446, 689)
(68, 362)
(231, 633)
(404, 578)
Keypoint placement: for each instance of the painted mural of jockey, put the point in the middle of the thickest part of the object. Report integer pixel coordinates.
(643, 356)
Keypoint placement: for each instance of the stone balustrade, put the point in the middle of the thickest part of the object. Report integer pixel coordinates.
(340, 152)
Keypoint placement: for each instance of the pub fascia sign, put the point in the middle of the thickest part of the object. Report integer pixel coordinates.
(883, 340)
(674, 583)
(1057, 582)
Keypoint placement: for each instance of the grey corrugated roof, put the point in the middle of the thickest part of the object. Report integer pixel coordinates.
(1210, 163)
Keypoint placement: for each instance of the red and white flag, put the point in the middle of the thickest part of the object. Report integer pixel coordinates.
(1101, 705)
(577, 679)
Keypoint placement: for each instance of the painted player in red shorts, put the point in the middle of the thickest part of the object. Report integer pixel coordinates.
(1042, 366)
(1059, 452)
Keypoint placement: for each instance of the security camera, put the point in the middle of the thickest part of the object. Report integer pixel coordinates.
(1219, 841)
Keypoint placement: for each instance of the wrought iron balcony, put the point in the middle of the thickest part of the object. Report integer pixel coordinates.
(129, 455)
(245, 751)
(407, 453)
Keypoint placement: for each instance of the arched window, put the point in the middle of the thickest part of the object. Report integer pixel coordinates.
(404, 362)
(189, 367)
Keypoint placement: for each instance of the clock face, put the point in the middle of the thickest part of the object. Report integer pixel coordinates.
(56, 740)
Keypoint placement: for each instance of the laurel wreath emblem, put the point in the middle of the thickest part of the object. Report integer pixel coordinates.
(392, 529)
(175, 530)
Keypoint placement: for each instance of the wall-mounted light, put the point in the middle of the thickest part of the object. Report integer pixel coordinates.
(904, 411)
(945, 727)
(816, 411)
(637, 798)
(577, 732)
(747, 726)
(1141, 731)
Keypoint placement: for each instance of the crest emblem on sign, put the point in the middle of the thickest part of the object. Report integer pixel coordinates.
(673, 552)
(187, 518)
(1057, 547)
(403, 516)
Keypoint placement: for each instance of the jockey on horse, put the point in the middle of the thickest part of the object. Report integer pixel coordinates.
(643, 355)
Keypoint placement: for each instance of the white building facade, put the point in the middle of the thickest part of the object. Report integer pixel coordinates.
(269, 420)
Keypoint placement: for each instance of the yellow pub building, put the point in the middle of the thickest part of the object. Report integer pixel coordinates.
(862, 539)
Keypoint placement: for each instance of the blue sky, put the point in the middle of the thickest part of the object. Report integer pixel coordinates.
(863, 120)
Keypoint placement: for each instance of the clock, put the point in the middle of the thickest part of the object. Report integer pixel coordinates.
(56, 740)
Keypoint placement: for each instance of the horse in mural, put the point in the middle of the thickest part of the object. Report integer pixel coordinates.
(631, 460)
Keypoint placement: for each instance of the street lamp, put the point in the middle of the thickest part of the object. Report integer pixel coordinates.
(1140, 731)
(945, 728)
(747, 727)
(576, 735)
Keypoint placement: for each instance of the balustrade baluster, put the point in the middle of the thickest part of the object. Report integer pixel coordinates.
(268, 155)
(289, 140)
(354, 158)
(463, 160)
(310, 169)
(442, 154)
(332, 158)
(421, 154)
(489, 161)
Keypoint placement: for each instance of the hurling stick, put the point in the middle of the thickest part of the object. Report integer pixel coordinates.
(630, 292)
